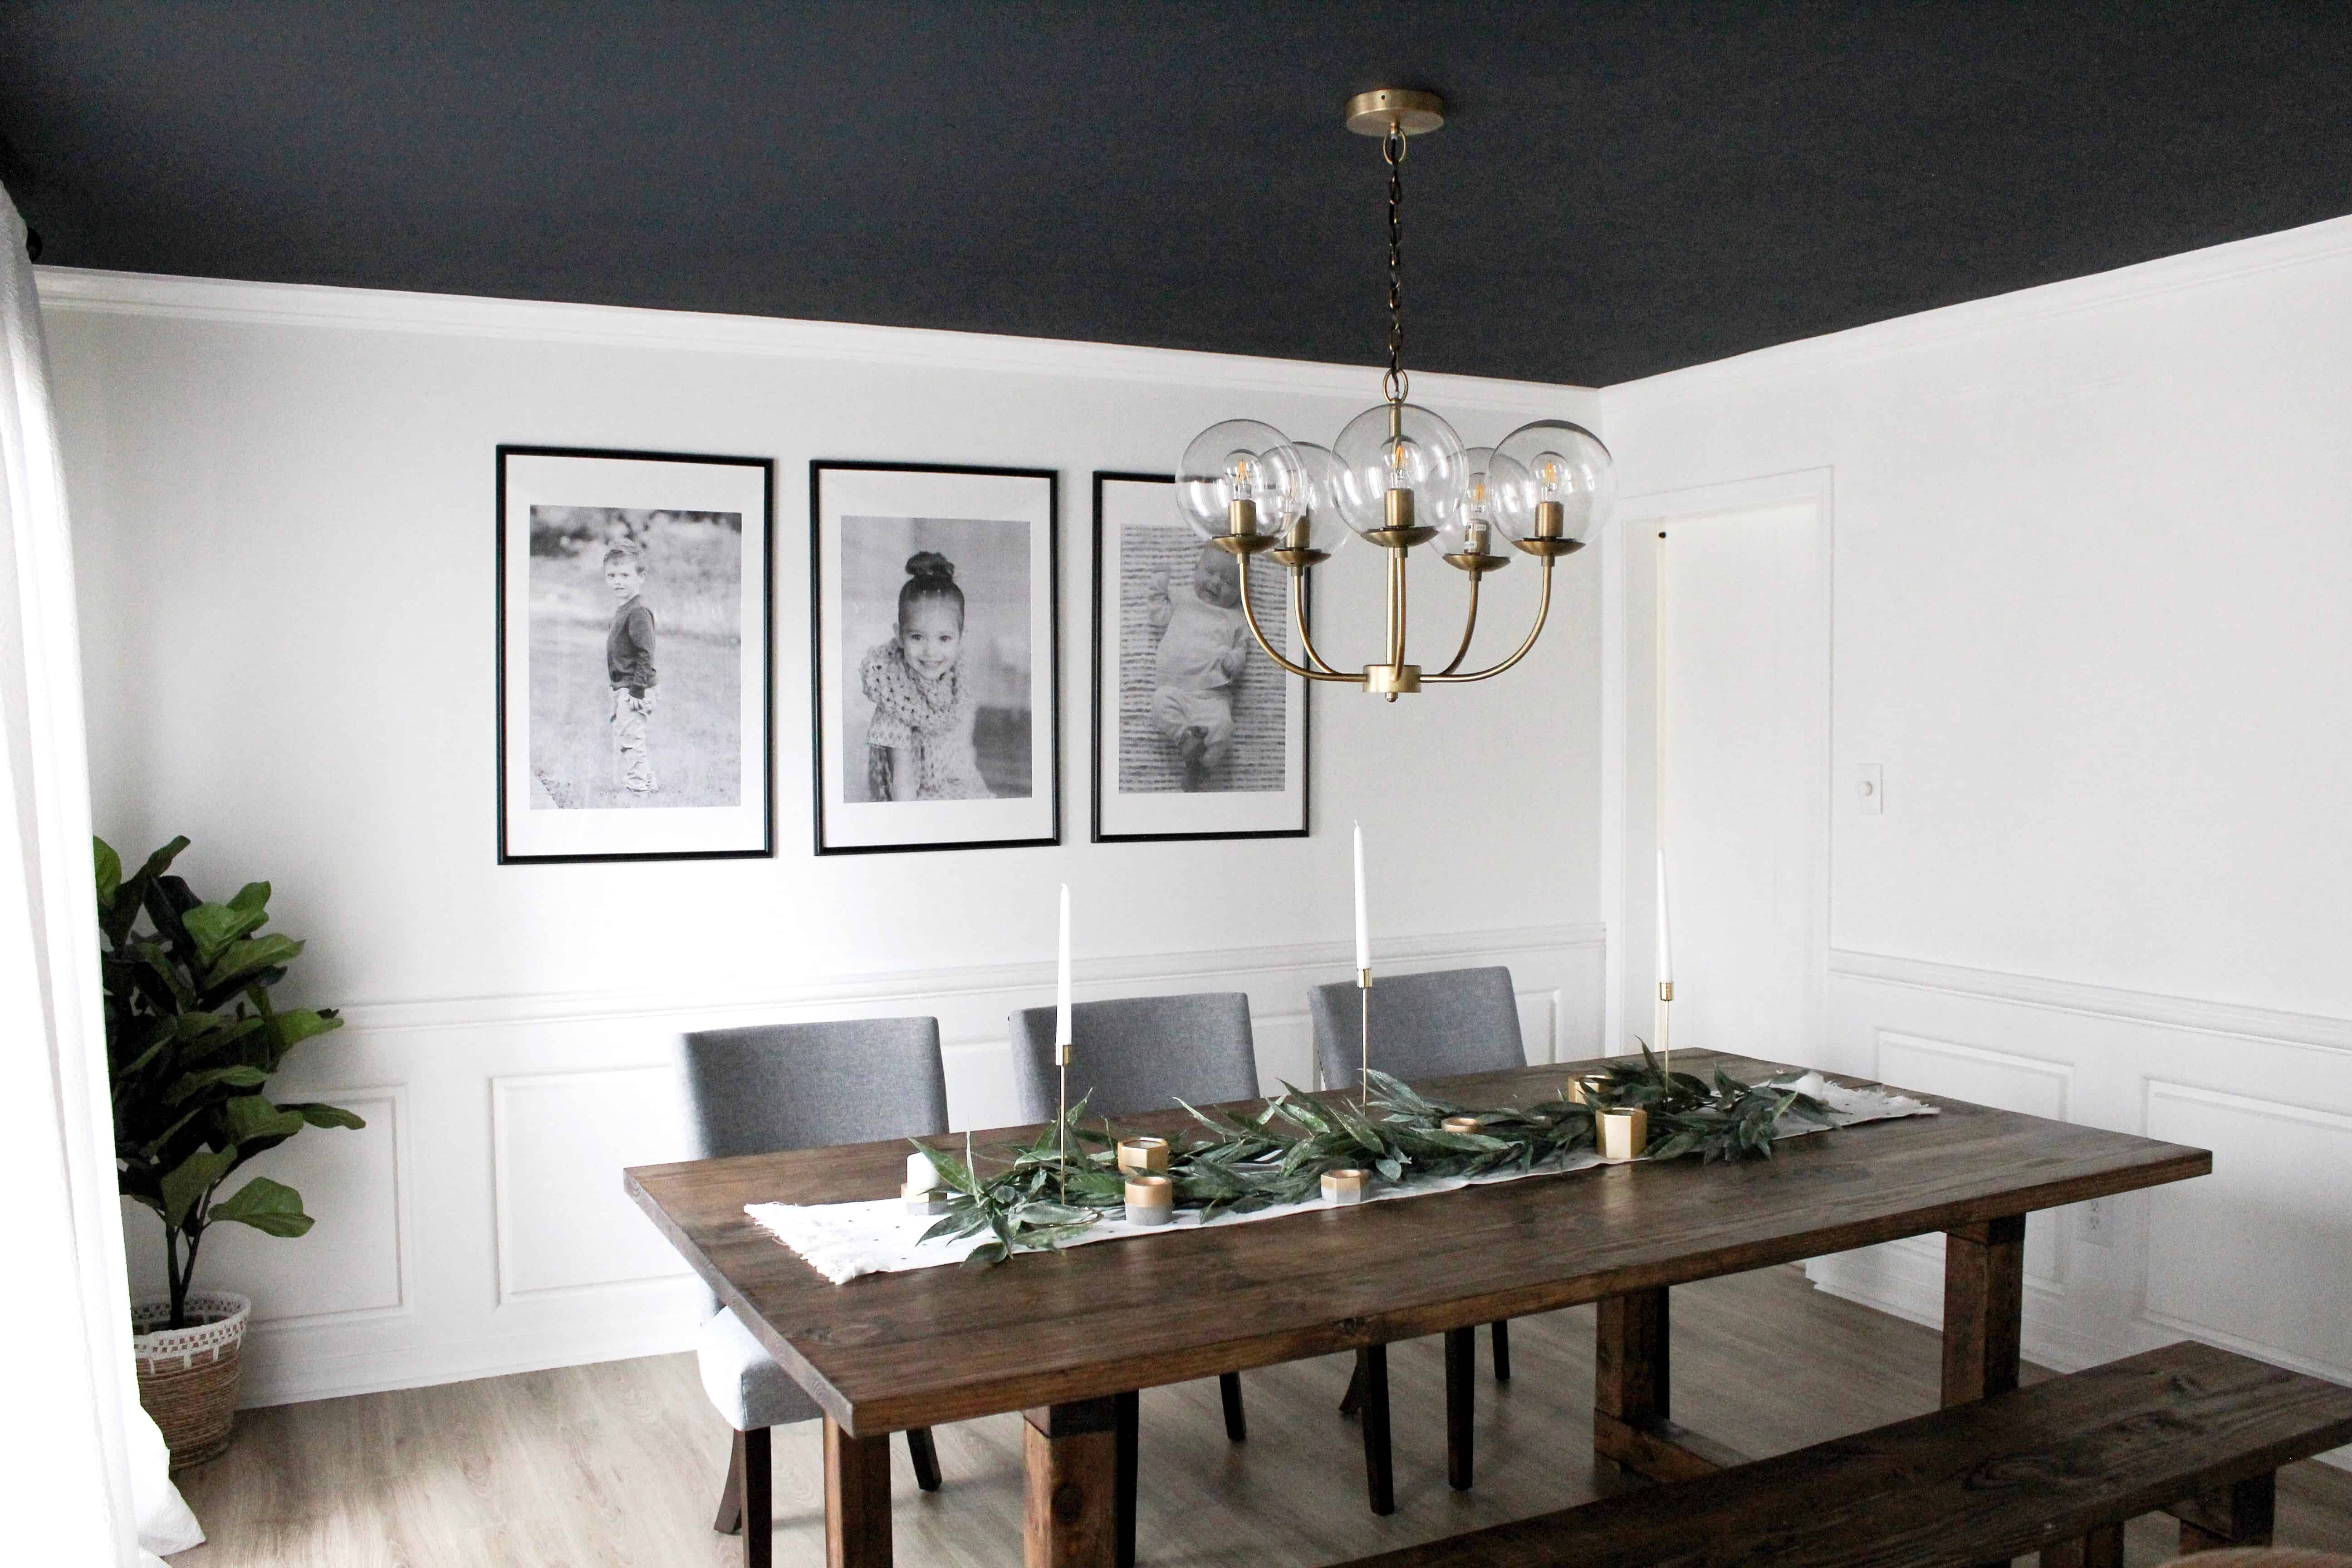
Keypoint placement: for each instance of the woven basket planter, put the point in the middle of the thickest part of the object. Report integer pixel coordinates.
(187, 1377)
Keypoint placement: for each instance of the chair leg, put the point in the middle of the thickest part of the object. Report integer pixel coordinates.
(1130, 1410)
(1379, 1479)
(926, 1455)
(1502, 1332)
(1461, 1403)
(1353, 1400)
(730, 1494)
(1229, 1387)
(759, 1513)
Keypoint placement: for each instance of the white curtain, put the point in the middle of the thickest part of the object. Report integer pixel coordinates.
(67, 1451)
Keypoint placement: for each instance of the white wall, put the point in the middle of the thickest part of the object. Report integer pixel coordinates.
(283, 497)
(2093, 547)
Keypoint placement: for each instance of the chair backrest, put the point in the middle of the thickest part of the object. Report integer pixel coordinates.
(806, 1085)
(1139, 1053)
(1423, 1026)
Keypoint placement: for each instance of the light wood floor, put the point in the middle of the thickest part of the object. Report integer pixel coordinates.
(620, 1463)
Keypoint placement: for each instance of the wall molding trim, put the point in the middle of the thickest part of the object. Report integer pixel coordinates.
(2310, 1030)
(2217, 265)
(1228, 965)
(68, 289)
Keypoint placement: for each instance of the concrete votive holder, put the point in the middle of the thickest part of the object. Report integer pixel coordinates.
(1624, 1134)
(1143, 1153)
(924, 1200)
(1150, 1199)
(1344, 1186)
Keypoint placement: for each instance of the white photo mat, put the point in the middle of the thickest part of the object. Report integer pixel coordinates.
(841, 1241)
(845, 491)
(635, 482)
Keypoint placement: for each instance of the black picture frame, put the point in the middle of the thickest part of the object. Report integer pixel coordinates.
(759, 559)
(820, 789)
(1104, 617)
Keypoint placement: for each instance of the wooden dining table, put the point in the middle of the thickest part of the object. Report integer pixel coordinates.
(1063, 1338)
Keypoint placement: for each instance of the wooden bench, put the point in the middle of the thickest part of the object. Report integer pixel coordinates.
(2055, 1468)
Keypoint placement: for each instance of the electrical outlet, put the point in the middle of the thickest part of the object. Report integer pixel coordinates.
(2098, 1224)
(1870, 788)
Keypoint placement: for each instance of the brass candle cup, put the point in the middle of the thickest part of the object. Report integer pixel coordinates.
(1465, 1125)
(1143, 1153)
(924, 1200)
(1584, 1088)
(1150, 1199)
(1623, 1133)
(1340, 1187)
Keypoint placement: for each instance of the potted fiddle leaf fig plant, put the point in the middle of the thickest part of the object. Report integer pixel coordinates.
(192, 1040)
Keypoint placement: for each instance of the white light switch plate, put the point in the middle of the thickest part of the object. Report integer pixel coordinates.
(1870, 788)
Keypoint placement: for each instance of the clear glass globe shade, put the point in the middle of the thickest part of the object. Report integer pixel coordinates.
(1423, 455)
(1551, 460)
(1239, 459)
(1475, 528)
(1313, 522)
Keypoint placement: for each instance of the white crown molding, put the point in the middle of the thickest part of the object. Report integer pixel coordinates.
(2312, 1030)
(2214, 267)
(1228, 967)
(67, 289)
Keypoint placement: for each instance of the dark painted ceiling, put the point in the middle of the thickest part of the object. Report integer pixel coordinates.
(1625, 188)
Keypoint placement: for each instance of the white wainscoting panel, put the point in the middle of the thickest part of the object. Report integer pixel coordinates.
(354, 1184)
(2258, 1256)
(2253, 1257)
(478, 1226)
(558, 1144)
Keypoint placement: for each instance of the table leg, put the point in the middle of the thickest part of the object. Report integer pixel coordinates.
(1380, 1476)
(2239, 1515)
(1071, 1453)
(857, 1499)
(2103, 1548)
(1984, 1300)
(1131, 1457)
(1632, 1382)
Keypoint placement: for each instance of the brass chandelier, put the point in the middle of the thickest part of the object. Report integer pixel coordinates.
(1398, 476)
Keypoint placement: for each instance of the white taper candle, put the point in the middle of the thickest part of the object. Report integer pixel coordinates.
(1062, 980)
(1666, 946)
(1363, 924)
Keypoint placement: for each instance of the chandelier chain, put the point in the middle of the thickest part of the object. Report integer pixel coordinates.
(1395, 383)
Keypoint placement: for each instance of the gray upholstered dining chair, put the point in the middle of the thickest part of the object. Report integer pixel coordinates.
(1423, 1026)
(798, 1085)
(1143, 1053)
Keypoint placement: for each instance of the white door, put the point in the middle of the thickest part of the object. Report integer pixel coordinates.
(1743, 775)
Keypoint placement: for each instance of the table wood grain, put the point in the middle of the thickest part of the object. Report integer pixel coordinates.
(924, 1347)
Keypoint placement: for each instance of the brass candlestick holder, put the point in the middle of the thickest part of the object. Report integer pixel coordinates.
(1364, 1038)
(1062, 1123)
(1665, 1036)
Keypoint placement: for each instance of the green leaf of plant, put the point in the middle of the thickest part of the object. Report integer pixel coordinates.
(214, 926)
(250, 955)
(249, 1117)
(318, 1115)
(266, 1205)
(298, 1024)
(109, 866)
(197, 1082)
(187, 1182)
(252, 896)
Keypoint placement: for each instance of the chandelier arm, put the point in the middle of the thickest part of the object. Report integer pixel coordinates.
(1249, 614)
(1315, 661)
(1543, 611)
(1469, 625)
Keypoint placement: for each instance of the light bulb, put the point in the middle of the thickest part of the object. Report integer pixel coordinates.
(1560, 485)
(1393, 449)
(1237, 471)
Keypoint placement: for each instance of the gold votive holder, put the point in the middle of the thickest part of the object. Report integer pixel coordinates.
(1150, 1199)
(1624, 1134)
(924, 1200)
(1466, 1125)
(1583, 1089)
(1143, 1153)
(1344, 1186)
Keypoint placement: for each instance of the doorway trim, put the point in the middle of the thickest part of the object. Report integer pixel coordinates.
(1629, 685)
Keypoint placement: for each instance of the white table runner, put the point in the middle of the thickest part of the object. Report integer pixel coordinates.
(841, 1241)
